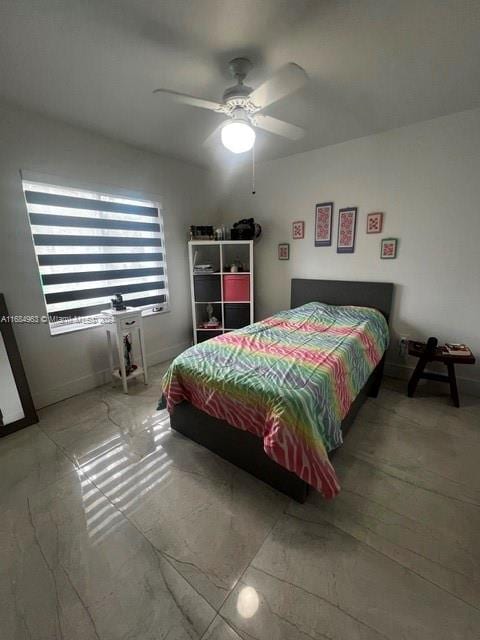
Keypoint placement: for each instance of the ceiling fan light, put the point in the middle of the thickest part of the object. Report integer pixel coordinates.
(238, 137)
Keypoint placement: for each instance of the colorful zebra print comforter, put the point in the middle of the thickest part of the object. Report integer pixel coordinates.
(289, 379)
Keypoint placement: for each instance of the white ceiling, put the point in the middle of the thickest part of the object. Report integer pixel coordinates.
(373, 64)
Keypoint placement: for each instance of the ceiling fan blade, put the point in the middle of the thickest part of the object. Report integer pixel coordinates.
(286, 80)
(190, 100)
(214, 137)
(279, 127)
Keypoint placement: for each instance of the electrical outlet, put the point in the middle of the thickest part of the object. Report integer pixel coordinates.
(403, 347)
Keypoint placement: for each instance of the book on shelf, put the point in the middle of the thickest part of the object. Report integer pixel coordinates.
(457, 349)
(203, 268)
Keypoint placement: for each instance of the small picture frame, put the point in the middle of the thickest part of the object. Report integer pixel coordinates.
(284, 251)
(388, 249)
(347, 223)
(323, 224)
(298, 230)
(375, 222)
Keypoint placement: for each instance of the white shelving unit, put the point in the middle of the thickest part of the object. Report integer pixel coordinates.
(219, 253)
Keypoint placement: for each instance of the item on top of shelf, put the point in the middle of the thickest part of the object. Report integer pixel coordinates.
(323, 224)
(201, 232)
(245, 229)
(118, 303)
(388, 248)
(347, 222)
(374, 222)
(454, 349)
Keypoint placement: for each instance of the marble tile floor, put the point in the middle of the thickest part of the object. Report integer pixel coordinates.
(113, 527)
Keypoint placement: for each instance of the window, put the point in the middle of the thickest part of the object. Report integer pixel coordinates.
(90, 246)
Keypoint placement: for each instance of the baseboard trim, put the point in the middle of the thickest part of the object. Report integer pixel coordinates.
(98, 378)
(404, 371)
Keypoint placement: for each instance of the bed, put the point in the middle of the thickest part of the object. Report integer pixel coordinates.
(277, 397)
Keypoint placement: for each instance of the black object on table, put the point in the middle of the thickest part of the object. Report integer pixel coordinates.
(431, 352)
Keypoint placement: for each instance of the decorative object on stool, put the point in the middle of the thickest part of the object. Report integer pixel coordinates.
(431, 352)
(284, 251)
(347, 223)
(117, 303)
(457, 349)
(323, 224)
(388, 249)
(375, 222)
(298, 230)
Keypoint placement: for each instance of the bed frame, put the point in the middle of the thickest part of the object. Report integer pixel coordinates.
(246, 450)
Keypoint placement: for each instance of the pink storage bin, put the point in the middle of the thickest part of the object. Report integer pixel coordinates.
(236, 287)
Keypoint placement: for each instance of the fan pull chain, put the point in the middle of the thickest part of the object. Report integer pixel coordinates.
(253, 171)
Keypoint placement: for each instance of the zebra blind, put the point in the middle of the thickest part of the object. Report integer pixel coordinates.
(90, 246)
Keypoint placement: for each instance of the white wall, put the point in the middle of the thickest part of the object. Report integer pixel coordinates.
(60, 366)
(426, 178)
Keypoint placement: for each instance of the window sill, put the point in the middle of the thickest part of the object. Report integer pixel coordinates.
(82, 326)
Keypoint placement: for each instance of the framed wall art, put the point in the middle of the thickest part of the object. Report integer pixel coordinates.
(16, 406)
(347, 223)
(284, 251)
(323, 224)
(388, 249)
(375, 222)
(298, 230)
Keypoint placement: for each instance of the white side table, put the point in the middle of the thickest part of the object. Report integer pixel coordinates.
(125, 322)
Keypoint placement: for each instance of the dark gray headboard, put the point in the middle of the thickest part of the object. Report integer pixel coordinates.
(362, 294)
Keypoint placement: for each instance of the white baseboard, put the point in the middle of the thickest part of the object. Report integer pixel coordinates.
(404, 371)
(98, 378)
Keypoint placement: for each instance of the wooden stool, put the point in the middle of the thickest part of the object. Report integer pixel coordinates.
(430, 352)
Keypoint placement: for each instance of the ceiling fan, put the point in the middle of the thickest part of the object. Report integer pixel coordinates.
(243, 105)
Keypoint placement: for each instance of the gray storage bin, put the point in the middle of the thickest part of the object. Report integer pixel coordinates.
(236, 315)
(207, 288)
